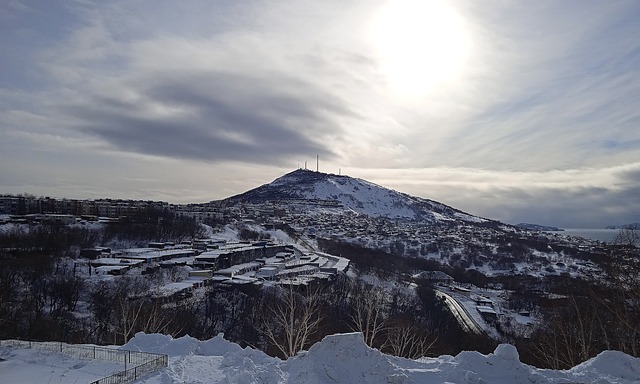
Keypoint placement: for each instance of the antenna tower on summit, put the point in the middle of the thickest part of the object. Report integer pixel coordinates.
(317, 163)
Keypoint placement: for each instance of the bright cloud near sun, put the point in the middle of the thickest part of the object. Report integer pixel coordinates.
(420, 45)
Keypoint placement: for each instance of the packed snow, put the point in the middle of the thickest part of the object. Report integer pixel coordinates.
(23, 365)
(363, 197)
(345, 358)
(341, 358)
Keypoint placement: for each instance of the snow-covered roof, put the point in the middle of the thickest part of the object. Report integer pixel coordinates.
(116, 261)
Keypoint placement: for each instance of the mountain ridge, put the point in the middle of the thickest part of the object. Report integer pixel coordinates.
(339, 212)
(539, 227)
(354, 194)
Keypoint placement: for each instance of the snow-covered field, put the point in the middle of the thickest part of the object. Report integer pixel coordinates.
(340, 358)
(23, 365)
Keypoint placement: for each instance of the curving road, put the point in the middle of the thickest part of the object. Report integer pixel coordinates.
(467, 322)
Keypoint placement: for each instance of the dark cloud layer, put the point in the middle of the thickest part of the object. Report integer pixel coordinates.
(215, 116)
(569, 208)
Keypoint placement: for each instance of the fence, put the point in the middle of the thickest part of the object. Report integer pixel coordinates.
(132, 374)
(143, 362)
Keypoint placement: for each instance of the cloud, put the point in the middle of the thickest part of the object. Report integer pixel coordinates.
(583, 198)
(231, 97)
(546, 89)
(528, 99)
(212, 116)
(542, 121)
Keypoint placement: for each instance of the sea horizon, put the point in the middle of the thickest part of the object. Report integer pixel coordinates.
(600, 234)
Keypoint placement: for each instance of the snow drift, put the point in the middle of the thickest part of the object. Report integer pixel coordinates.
(344, 358)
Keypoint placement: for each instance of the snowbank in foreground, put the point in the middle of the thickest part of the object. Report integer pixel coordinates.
(344, 358)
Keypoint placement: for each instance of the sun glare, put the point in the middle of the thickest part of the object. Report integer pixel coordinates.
(421, 45)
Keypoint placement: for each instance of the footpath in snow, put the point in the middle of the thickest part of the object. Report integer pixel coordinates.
(344, 358)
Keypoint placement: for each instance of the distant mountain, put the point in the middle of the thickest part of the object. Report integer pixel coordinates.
(626, 226)
(537, 227)
(355, 195)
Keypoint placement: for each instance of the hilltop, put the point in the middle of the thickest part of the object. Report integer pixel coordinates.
(330, 208)
(354, 195)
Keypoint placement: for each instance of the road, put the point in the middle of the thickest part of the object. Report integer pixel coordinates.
(467, 322)
(461, 314)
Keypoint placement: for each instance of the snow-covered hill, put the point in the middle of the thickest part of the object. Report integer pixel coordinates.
(344, 358)
(353, 194)
(354, 211)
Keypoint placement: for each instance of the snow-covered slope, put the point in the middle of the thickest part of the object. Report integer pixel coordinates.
(344, 358)
(353, 194)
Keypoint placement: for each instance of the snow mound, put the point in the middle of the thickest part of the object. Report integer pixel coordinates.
(610, 366)
(345, 358)
(507, 352)
(185, 345)
(501, 366)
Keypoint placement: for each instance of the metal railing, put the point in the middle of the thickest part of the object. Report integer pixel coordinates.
(143, 362)
(133, 374)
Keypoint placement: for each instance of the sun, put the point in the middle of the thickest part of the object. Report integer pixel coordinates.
(420, 45)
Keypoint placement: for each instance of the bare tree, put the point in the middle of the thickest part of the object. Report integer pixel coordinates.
(629, 235)
(570, 335)
(223, 311)
(368, 312)
(141, 315)
(619, 305)
(290, 322)
(407, 339)
(127, 313)
(133, 310)
(9, 286)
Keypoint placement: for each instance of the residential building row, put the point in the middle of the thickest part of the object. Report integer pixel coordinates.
(25, 205)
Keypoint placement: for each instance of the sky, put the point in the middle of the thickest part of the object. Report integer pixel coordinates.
(517, 111)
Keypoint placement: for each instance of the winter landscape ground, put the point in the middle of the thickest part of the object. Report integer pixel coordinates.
(342, 358)
(314, 278)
